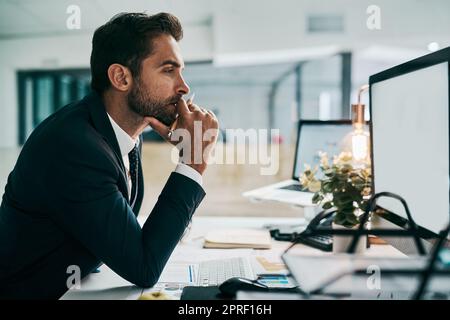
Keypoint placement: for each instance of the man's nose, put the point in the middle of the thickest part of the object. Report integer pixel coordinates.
(183, 88)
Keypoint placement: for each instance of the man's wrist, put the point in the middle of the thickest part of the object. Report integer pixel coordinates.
(189, 172)
(200, 168)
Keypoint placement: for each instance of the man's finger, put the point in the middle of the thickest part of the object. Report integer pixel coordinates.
(182, 107)
(159, 127)
(174, 124)
(193, 107)
(211, 114)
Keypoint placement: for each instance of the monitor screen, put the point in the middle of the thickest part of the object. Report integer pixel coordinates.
(410, 142)
(331, 137)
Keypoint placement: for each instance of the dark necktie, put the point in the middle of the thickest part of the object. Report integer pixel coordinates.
(133, 157)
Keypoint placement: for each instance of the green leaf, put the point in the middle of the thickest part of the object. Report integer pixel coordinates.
(352, 220)
(349, 212)
(343, 200)
(329, 173)
(339, 219)
(347, 209)
(363, 205)
(357, 180)
(347, 217)
(327, 187)
(317, 198)
(327, 205)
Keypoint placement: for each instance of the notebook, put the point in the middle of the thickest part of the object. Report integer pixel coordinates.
(238, 238)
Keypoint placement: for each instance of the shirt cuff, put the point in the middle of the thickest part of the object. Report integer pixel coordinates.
(189, 172)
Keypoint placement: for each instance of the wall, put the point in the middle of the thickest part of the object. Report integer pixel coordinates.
(63, 52)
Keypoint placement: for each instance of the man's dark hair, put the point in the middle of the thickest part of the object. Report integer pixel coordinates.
(127, 39)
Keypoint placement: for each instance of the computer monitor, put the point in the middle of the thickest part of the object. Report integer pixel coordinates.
(331, 136)
(409, 108)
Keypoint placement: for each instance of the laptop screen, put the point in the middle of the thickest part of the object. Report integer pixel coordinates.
(331, 137)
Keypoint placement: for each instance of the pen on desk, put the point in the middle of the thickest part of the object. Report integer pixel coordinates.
(190, 273)
(188, 102)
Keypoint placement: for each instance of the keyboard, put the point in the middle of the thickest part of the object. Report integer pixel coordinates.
(214, 272)
(294, 187)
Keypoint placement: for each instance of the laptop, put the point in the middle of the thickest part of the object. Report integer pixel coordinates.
(332, 136)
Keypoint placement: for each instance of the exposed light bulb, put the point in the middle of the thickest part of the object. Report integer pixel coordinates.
(360, 145)
(360, 138)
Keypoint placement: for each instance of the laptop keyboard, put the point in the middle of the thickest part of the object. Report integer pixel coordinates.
(294, 187)
(214, 272)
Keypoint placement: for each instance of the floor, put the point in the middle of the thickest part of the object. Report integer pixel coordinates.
(223, 183)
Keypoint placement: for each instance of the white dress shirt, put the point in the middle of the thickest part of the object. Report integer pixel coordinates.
(127, 143)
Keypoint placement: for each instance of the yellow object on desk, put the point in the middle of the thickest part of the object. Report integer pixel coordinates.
(158, 295)
(271, 266)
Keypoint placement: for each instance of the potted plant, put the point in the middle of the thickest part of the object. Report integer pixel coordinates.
(342, 185)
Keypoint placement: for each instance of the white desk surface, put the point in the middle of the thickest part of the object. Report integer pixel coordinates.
(109, 286)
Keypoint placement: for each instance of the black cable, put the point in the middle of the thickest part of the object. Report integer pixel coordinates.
(431, 265)
(371, 206)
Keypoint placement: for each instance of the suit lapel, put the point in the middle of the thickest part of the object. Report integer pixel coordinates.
(103, 126)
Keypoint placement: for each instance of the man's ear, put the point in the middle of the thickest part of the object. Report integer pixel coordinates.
(120, 77)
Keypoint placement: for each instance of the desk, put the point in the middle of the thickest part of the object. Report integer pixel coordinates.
(108, 285)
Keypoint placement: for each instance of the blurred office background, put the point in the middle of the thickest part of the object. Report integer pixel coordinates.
(259, 64)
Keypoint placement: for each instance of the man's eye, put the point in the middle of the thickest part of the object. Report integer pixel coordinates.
(168, 70)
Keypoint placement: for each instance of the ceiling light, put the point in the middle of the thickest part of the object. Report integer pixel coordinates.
(433, 46)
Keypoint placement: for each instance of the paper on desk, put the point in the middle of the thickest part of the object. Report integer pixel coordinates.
(191, 254)
(238, 238)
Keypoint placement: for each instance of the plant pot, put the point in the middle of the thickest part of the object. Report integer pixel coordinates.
(342, 243)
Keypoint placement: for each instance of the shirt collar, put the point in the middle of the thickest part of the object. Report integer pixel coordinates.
(126, 143)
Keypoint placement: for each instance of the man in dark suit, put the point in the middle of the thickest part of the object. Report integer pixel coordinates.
(72, 199)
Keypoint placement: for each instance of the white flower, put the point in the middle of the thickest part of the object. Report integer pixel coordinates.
(342, 159)
(366, 191)
(324, 162)
(345, 157)
(314, 186)
(304, 181)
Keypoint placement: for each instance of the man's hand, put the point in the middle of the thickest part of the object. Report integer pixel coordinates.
(189, 116)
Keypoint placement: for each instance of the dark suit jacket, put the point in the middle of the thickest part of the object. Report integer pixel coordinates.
(66, 204)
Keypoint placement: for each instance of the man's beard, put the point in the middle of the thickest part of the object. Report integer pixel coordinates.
(141, 102)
